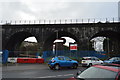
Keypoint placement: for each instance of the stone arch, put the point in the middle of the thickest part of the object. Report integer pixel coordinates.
(49, 41)
(112, 38)
(16, 39)
(107, 33)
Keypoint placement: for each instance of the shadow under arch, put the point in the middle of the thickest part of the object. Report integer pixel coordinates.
(16, 40)
(49, 41)
(111, 41)
(110, 34)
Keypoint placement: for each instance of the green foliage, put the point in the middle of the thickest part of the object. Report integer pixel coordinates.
(29, 48)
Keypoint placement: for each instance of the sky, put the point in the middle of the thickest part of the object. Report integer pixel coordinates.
(68, 40)
(97, 42)
(54, 9)
(31, 39)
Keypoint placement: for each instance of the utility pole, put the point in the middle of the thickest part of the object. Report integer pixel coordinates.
(54, 49)
(56, 42)
(108, 46)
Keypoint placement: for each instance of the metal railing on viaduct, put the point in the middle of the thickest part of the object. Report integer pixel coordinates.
(62, 21)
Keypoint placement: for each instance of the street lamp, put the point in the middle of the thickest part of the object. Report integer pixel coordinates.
(53, 48)
(56, 42)
(108, 46)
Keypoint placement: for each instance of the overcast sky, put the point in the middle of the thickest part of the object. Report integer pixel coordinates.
(57, 9)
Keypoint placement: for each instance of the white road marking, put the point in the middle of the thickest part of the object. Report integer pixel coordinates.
(55, 76)
(68, 74)
(47, 77)
(59, 75)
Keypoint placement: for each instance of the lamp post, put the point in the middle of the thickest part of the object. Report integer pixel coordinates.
(54, 49)
(56, 42)
(108, 46)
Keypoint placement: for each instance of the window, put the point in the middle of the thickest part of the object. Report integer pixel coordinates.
(68, 59)
(119, 77)
(86, 58)
(96, 59)
(53, 58)
(60, 58)
(93, 58)
(94, 72)
(118, 58)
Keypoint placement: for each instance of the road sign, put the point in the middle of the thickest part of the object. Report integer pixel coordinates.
(73, 46)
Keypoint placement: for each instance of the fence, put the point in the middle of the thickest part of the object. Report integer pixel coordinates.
(47, 55)
(62, 21)
(27, 54)
(73, 54)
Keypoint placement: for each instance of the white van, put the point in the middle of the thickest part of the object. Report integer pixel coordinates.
(89, 61)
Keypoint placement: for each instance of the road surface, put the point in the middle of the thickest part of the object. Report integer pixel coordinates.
(36, 71)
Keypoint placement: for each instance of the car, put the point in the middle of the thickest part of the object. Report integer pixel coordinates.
(89, 61)
(12, 60)
(61, 61)
(99, 72)
(115, 60)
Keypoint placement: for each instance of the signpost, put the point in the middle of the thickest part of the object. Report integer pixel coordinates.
(73, 46)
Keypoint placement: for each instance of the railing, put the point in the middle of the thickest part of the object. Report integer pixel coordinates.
(62, 21)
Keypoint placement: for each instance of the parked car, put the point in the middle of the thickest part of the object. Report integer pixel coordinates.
(0, 57)
(62, 61)
(115, 60)
(12, 60)
(89, 61)
(99, 72)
